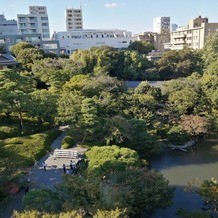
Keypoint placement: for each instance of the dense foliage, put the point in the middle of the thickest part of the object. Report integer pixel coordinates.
(87, 92)
(115, 178)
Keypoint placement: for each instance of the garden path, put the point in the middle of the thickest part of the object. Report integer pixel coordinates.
(38, 178)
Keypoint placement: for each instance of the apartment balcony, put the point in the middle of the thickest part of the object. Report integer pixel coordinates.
(21, 18)
(33, 26)
(178, 36)
(32, 19)
(178, 42)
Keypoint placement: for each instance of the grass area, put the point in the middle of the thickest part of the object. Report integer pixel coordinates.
(18, 153)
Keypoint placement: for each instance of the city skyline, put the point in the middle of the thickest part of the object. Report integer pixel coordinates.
(121, 14)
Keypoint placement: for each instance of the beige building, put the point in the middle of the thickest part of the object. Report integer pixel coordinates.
(160, 34)
(156, 39)
(194, 35)
(74, 19)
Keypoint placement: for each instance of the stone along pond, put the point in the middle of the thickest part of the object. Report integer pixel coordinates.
(198, 164)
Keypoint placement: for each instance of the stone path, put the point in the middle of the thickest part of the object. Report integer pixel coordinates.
(40, 178)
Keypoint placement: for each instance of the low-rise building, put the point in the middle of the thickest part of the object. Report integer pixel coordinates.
(87, 38)
(8, 26)
(156, 39)
(49, 45)
(7, 61)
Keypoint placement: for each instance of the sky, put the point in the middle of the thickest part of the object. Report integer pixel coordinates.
(131, 15)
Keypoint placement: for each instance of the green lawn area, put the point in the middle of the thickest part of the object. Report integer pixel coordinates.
(18, 153)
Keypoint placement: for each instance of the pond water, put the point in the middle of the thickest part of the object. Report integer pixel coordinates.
(198, 164)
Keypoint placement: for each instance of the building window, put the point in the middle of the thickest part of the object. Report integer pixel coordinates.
(44, 18)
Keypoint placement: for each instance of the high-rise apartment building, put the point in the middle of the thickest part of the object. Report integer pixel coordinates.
(74, 19)
(161, 25)
(34, 22)
(8, 26)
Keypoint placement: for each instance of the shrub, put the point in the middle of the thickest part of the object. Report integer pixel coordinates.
(67, 142)
(37, 214)
(177, 135)
(44, 200)
(10, 131)
(2, 135)
(32, 128)
(16, 154)
(14, 141)
(50, 136)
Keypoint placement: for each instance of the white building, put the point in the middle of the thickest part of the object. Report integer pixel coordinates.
(85, 39)
(161, 25)
(34, 22)
(74, 19)
(8, 26)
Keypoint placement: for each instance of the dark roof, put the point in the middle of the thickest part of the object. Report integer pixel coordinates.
(7, 60)
(134, 84)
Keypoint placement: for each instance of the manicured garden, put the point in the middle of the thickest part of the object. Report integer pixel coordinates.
(18, 152)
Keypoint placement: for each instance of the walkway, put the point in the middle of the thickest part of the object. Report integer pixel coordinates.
(40, 178)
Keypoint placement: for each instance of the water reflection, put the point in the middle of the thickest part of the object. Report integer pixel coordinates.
(199, 163)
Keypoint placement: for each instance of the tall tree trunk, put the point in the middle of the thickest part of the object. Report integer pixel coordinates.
(84, 137)
(39, 121)
(21, 122)
(7, 116)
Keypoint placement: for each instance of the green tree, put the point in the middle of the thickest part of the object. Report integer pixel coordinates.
(89, 117)
(140, 106)
(28, 56)
(177, 135)
(138, 191)
(38, 214)
(209, 84)
(117, 213)
(69, 108)
(116, 130)
(43, 106)
(146, 144)
(180, 63)
(210, 50)
(141, 47)
(145, 88)
(44, 200)
(185, 96)
(17, 48)
(15, 93)
(55, 72)
(209, 193)
(110, 158)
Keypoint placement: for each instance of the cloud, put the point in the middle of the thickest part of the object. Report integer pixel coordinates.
(113, 5)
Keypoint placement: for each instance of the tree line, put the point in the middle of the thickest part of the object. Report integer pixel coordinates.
(87, 91)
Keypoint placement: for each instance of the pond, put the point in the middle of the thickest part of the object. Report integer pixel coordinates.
(198, 164)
